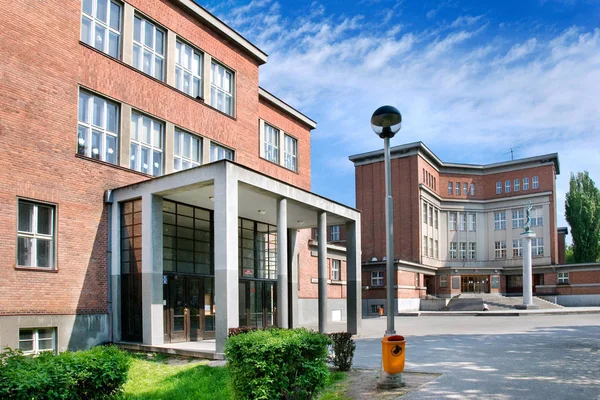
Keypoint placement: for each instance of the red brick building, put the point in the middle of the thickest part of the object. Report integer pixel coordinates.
(101, 98)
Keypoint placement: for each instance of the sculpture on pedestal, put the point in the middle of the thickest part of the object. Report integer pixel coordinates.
(527, 225)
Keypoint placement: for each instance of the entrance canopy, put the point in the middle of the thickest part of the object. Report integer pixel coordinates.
(230, 191)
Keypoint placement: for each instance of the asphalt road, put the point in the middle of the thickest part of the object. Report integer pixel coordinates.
(527, 357)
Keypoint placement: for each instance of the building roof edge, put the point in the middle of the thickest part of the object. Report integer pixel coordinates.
(286, 107)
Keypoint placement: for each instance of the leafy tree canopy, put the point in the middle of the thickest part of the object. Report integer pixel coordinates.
(582, 211)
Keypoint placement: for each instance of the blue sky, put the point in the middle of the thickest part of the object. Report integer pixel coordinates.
(472, 79)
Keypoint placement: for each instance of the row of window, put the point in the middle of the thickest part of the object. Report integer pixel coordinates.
(518, 218)
(102, 28)
(459, 250)
(465, 221)
(377, 278)
(467, 189)
(430, 215)
(429, 180)
(515, 185)
(271, 147)
(537, 248)
(334, 233)
(431, 248)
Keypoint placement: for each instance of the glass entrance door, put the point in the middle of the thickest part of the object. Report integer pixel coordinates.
(475, 284)
(189, 310)
(258, 303)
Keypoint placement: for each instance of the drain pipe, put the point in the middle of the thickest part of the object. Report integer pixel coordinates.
(108, 201)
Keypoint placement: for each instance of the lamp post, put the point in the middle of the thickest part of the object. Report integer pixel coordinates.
(386, 122)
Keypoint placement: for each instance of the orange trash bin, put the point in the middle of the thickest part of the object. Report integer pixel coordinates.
(393, 353)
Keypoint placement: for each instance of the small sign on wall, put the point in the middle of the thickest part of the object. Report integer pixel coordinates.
(495, 282)
(456, 282)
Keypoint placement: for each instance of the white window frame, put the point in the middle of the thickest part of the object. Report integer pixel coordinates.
(517, 248)
(453, 250)
(153, 51)
(98, 27)
(190, 70)
(525, 183)
(499, 220)
(34, 236)
(537, 247)
(443, 281)
(452, 221)
(507, 186)
(563, 278)
(35, 339)
(457, 188)
(535, 183)
(221, 97)
(425, 242)
(431, 216)
(138, 143)
(472, 222)
(218, 152)
(437, 250)
(290, 155)
(472, 250)
(462, 222)
(518, 218)
(498, 187)
(517, 185)
(183, 140)
(335, 233)
(336, 267)
(536, 218)
(436, 218)
(472, 189)
(465, 189)
(431, 247)
(87, 128)
(271, 143)
(377, 278)
(462, 250)
(450, 187)
(500, 249)
(425, 208)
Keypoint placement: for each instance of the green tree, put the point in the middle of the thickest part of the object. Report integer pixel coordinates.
(582, 211)
(569, 257)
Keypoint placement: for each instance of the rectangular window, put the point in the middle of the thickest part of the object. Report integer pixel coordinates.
(536, 217)
(35, 235)
(450, 186)
(452, 221)
(517, 185)
(463, 250)
(335, 270)
(537, 247)
(443, 280)
(430, 216)
(453, 247)
(436, 219)
(97, 128)
(507, 186)
(462, 223)
(37, 340)
(425, 246)
(221, 88)
(290, 153)
(535, 182)
(187, 150)
(377, 278)
(563, 277)
(146, 145)
(335, 233)
(525, 183)
(437, 250)
(430, 247)
(498, 187)
(271, 136)
(188, 70)
(457, 189)
(518, 218)
(472, 222)
(500, 249)
(472, 251)
(499, 220)
(465, 189)
(517, 248)
(148, 47)
(101, 25)
(220, 153)
(472, 189)
(425, 212)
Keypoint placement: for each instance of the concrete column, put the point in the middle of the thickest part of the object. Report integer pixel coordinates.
(152, 270)
(115, 271)
(171, 55)
(261, 136)
(206, 76)
(322, 257)
(281, 148)
(527, 271)
(354, 281)
(205, 150)
(125, 136)
(293, 277)
(226, 255)
(169, 147)
(128, 16)
(282, 264)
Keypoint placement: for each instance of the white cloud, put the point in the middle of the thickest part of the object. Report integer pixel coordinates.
(518, 51)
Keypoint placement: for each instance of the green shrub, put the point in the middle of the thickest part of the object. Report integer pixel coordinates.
(343, 350)
(98, 373)
(241, 330)
(277, 364)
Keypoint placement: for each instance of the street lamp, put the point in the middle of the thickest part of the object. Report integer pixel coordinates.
(386, 121)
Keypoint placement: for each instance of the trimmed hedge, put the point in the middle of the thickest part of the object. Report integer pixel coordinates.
(343, 350)
(98, 373)
(277, 364)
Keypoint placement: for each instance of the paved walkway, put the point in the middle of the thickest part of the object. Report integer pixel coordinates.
(531, 357)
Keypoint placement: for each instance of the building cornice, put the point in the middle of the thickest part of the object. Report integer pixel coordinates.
(262, 93)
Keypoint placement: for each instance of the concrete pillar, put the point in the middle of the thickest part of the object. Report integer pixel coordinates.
(226, 255)
(115, 271)
(206, 77)
(322, 256)
(527, 271)
(282, 264)
(293, 277)
(128, 16)
(171, 55)
(205, 151)
(169, 147)
(354, 280)
(125, 136)
(152, 270)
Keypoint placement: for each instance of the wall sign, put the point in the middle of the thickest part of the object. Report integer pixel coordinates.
(495, 282)
(455, 282)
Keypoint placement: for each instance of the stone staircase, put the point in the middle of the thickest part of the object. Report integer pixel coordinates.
(475, 301)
